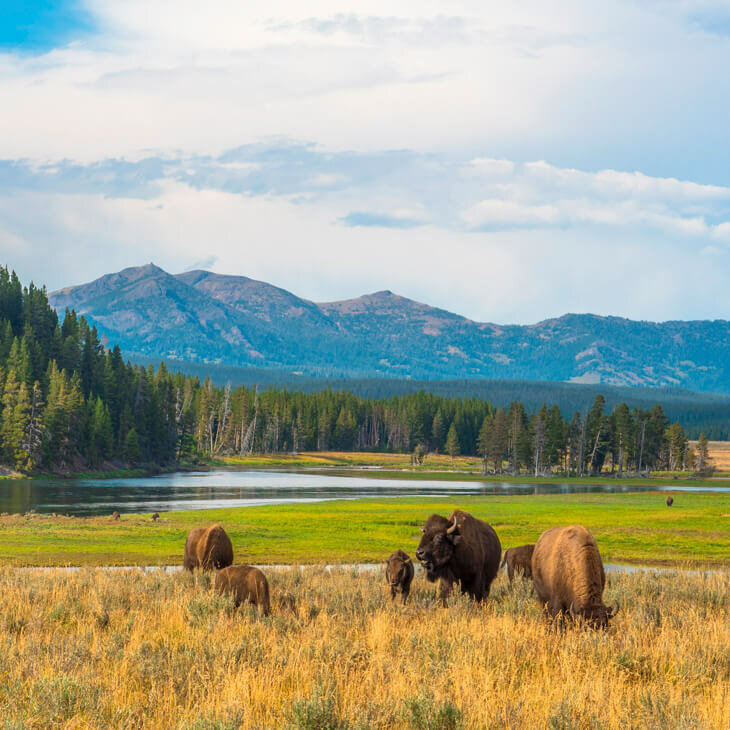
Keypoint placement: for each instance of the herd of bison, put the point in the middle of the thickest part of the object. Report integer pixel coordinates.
(565, 566)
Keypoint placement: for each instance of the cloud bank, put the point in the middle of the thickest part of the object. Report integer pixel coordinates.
(507, 161)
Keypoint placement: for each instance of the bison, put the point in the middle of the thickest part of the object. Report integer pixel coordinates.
(670, 501)
(518, 559)
(568, 576)
(155, 517)
(244, 583)
(399, 572)
(115, 515)
(460, 549)
(208, 548)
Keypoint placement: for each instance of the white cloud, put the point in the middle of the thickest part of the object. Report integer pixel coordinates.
(575, 134)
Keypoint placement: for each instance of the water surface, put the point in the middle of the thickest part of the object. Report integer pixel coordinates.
(224, 488)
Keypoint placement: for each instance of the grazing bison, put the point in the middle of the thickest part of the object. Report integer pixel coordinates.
(208, 548)
(519, 560)
(460, 549)
(399, 572)
(568, 575)
(670, 501)
(155, 517)
(115, 515)
(244, 583)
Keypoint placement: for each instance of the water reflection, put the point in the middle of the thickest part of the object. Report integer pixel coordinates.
(201, 490)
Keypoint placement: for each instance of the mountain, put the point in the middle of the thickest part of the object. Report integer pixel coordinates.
(204, 317)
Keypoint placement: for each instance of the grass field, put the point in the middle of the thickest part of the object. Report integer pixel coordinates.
(720, 454)
(630, 528)
(432, 462)
(102, 649)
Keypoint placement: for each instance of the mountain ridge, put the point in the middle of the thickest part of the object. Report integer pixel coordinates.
(233, 320)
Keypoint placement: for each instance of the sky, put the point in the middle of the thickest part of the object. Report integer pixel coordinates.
(506, 161)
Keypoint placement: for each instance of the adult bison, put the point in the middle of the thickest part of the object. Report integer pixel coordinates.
(568, 575)
(670, 501)
(460, 549)
(244, 583)
(518, 560)
(399, 572)
(208, 548)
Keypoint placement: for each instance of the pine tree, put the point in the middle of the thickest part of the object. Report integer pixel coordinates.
(132, 451)
(453, 447)
(485, 440)
(702, 460)
(437, 432)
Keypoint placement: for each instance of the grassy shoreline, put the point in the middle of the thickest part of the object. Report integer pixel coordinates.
(631, 528)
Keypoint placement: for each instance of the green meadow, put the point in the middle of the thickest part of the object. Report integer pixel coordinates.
(630, 528)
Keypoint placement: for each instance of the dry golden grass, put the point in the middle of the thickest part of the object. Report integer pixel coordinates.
(719, 453)
(99, 649)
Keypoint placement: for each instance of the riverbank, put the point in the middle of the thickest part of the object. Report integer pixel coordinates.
(632, 528)
(102, 649)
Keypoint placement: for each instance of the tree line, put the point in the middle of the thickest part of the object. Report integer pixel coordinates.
(69, 402)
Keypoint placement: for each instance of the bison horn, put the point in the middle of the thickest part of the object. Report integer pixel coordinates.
(452, 529)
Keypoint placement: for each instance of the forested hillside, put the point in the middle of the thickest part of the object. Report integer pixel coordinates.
(70, 402)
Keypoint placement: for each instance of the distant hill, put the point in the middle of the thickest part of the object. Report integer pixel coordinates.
(210, 318)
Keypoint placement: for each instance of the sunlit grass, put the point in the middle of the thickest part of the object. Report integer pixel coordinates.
(102, 649)
(632, 527)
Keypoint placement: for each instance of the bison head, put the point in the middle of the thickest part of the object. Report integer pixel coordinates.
(596, 615)
(440, 536)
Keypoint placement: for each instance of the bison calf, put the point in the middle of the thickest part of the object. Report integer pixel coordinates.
(518, 560)
(399, 572)
(244, 583)
(568, 575)
(208, 548)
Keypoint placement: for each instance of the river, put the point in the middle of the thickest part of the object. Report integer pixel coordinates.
(225, 488)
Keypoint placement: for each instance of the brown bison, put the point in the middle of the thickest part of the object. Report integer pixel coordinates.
(208, 548)
(670, 501)
(115, 515)
(399, 572)
(244, 583)
(568, 575)
(518, 560)
(460, 549)
(155, 517)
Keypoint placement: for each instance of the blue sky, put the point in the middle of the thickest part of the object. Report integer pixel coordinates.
(28, 26)
(509, 162)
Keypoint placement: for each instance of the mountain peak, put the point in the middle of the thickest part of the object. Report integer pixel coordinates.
(202, 316)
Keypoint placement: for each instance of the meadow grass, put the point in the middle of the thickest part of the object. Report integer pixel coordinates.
(629, 528)
(128, 649)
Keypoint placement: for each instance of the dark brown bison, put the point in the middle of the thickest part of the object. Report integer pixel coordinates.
(155, 517)
(399, 572)
(460, 549)
(670, 501)
(568, 575)
(244, 583)
(115, 515)
(208, 548)
(518, 560)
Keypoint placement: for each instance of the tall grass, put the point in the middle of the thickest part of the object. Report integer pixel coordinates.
(99, 649)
